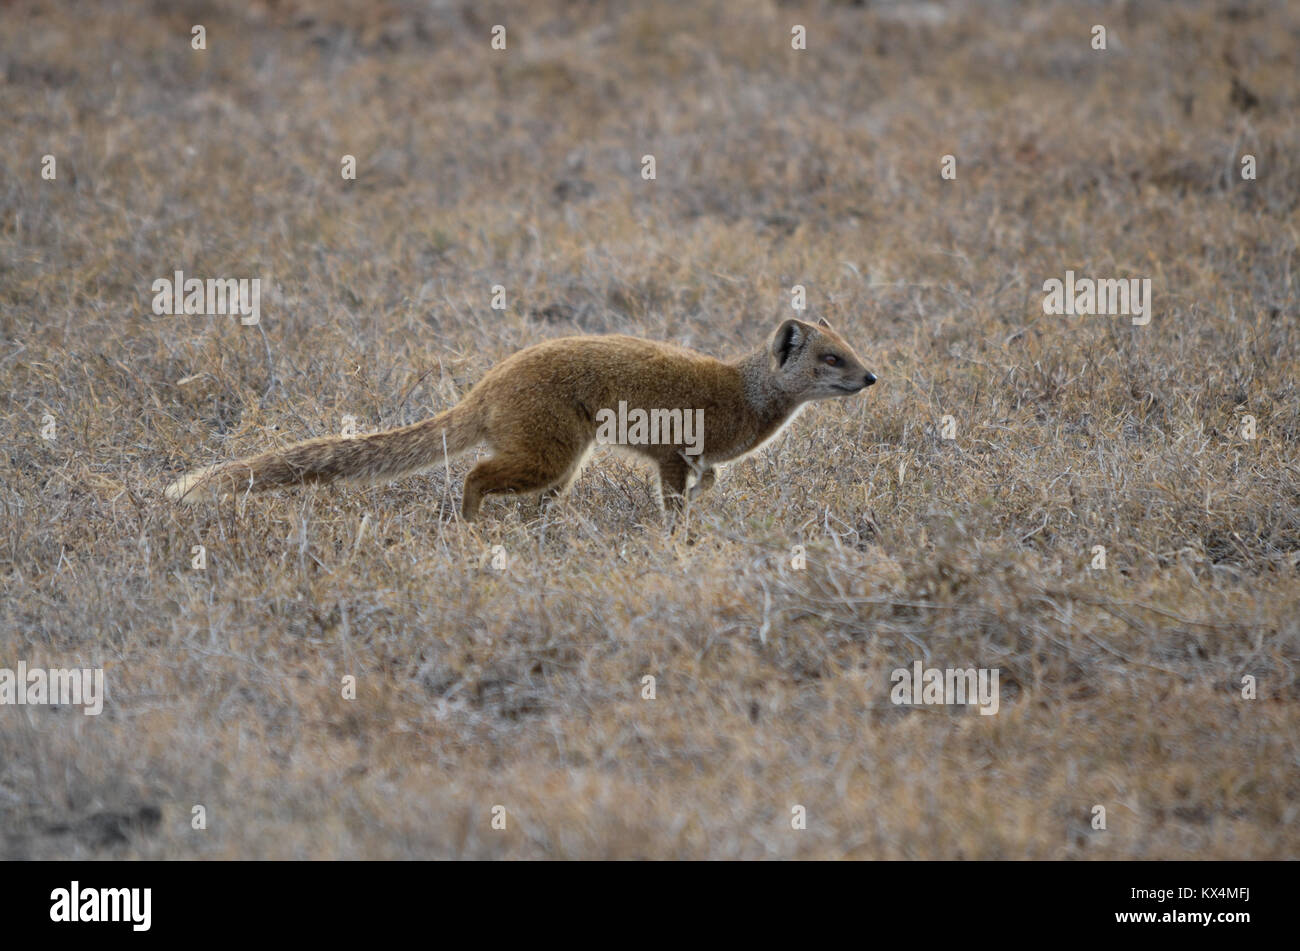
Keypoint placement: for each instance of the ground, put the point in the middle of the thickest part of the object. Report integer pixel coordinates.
(862, 541)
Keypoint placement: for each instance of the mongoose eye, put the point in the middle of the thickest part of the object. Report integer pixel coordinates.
(831, 360)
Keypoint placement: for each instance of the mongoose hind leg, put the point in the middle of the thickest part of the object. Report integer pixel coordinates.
(547, 498)
(519, 472)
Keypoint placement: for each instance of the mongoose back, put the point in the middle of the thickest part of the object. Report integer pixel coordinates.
(539, 411)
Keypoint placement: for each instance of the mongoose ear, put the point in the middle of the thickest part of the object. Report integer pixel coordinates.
(823, 322)
(787, 340)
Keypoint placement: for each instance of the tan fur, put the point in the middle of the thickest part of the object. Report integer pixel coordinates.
(536, 411)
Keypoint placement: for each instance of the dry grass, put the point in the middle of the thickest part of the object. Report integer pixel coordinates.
(522, 688)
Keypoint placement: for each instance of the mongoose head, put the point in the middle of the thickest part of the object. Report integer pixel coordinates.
(815, 363)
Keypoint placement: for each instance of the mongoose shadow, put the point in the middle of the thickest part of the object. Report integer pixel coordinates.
(541, 411)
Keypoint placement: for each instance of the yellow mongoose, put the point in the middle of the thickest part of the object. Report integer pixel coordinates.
(538, 411)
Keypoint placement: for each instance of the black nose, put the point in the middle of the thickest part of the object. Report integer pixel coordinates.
(869, 379)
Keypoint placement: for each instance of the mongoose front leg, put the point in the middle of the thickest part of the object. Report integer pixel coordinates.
(672, 486)
(704, 481)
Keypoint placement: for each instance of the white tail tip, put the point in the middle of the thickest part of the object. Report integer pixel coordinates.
(180, 490)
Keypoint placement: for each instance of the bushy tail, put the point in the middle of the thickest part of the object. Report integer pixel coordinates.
(372, 457)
